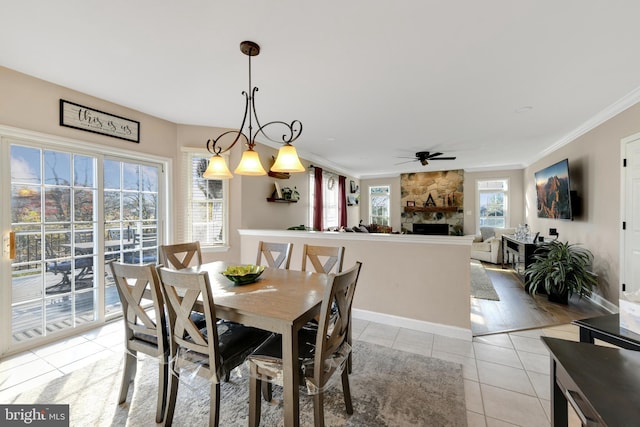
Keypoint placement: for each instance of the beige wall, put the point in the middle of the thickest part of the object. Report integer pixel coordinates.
(595, 171)
(424, 286)
(32, 104)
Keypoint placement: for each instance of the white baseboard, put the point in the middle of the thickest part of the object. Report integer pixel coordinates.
(416, 325)
(607, 305)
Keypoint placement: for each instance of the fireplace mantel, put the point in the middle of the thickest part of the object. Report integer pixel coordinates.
(431, 208)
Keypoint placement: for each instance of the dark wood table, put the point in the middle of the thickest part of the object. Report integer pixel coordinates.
(602, 384)
(607, 328)
(518, 254)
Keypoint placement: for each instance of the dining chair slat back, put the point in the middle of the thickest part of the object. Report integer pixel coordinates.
(282, 252)
(145, 331)
(181, 255)
(324, 259)
(316, 346)
(214, 349)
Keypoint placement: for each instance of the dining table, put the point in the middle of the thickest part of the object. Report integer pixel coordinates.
(280, 301)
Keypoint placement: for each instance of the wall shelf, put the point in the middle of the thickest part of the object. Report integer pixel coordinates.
(279, 175)
(431, 208)
(274, 200)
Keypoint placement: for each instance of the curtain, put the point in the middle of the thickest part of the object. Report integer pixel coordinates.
(317, 199)
(342, 201)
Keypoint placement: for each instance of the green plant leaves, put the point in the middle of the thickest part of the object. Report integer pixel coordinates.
(561, 267)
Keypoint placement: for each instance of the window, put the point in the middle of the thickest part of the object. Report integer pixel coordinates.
(329, 198)
(67, 224)
(379, 205)
(492, 203)
(207, 203)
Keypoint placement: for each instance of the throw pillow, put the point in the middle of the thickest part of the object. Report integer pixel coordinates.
(487, 232)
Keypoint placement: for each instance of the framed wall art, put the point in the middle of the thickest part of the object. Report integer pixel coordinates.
(91, 120)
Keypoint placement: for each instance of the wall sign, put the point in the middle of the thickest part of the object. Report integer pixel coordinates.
(84, 118)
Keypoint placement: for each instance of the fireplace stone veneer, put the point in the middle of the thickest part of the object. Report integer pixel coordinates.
(434, 199)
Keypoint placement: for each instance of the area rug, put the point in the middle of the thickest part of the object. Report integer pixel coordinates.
(481, 286)
(388, 387)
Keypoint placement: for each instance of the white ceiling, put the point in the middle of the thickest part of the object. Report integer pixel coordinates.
(494, 82)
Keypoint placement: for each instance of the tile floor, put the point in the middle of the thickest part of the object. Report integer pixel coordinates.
(506, 376)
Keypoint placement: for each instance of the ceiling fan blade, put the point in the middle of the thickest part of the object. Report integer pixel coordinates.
(402, 163)
(432, 155)
(442, 158)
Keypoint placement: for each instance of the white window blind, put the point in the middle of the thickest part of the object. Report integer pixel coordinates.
(206, 203)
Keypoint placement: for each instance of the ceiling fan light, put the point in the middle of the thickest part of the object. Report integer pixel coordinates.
(217, 168)
(250, 164)
(287, 160)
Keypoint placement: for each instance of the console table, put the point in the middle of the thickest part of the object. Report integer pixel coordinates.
(607, 328)
(517, 253)
(601, 383)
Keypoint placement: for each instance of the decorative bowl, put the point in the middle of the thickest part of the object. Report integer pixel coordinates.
(243, 274)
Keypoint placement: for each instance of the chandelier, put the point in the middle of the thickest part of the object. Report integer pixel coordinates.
(287, 159)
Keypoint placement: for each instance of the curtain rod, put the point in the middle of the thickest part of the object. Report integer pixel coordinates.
(327, 170)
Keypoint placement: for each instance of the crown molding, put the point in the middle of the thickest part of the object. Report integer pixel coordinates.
(608, 113)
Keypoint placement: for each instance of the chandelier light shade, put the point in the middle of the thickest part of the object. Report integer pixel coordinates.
(217, 168)
(250, 164)
(287, 160)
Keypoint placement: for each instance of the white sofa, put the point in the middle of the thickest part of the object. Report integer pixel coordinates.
(487, 246)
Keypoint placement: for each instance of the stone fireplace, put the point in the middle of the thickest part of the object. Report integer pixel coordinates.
(432, 202)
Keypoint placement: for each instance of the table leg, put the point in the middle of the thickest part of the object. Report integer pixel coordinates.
(290, 365)
(559, 411)
(586, 336)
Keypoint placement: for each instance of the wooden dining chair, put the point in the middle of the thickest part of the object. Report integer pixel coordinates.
(282, 252)
(212, 351)
(144, 332)
(180, 255)
(324, 259)
(322, 352)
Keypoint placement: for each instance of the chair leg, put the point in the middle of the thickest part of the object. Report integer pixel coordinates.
(163, 384)
(349, 335)
(174, 379)
(214, 411)
(267, 391)
(346, 391)
(128, 374)
(254, 397)
(318, 409)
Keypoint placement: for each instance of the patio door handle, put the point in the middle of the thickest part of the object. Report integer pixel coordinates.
(9, 245)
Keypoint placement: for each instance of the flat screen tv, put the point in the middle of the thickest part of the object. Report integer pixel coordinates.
(553, 191)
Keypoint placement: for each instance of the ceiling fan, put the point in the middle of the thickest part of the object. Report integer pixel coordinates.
(424, 156)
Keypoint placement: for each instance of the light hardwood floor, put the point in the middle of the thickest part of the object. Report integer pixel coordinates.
(517, 310)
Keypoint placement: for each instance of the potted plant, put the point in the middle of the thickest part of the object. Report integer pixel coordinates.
(561, 269)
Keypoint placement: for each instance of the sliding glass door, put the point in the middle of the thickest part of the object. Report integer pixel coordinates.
(53, 205)
(72, 212)
(130, 218)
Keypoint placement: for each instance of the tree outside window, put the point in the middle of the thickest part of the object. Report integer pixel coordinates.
(207, 204)
(379, 205)
(492, 203)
